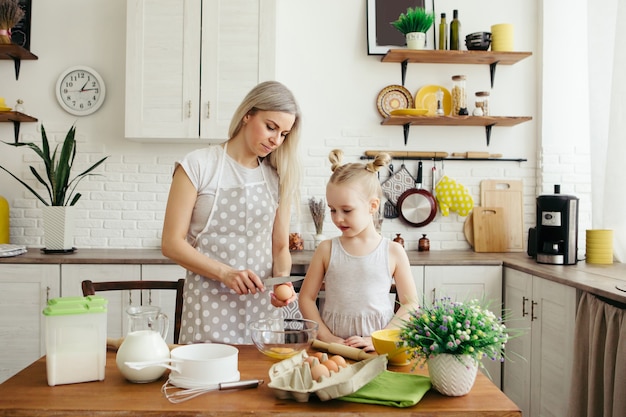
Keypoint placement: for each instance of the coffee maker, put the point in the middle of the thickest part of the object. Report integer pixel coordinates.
(557, 229)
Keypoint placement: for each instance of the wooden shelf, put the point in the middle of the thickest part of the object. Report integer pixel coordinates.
(487, 121)
(491, 58)
(16, 118)
(17, 54)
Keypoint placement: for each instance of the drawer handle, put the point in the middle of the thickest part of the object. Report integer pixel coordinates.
(532, 311)
(524, 312)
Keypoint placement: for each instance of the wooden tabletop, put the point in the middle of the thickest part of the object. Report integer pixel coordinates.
(28, 394)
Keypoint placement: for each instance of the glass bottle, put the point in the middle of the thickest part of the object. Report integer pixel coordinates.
(482, 102)
(443, 33)
(439, 96)
(459, 98)
(455, 32)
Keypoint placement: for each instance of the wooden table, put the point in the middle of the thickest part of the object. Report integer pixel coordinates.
(28, 394)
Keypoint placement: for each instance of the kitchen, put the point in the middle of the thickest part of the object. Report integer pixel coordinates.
(336, 83)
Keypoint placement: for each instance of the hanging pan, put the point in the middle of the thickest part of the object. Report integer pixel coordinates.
(417, 207)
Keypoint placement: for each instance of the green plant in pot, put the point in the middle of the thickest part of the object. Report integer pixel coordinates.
(414, 24)
(60, 187)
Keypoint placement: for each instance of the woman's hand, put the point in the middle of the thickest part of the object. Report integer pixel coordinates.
(242, 281)
(364, 343)
(282, 303)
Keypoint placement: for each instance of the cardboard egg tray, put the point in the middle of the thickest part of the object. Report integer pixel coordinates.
(291, 378)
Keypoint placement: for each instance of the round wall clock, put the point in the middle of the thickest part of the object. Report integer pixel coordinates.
(80, 90)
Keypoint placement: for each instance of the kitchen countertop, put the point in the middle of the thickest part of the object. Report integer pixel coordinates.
(28, 394)
(597, 279)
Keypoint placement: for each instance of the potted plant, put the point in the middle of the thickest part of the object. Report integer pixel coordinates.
(414, 24)
(452, 337)
(61, 189)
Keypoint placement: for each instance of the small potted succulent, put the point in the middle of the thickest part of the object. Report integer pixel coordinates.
(60, 187)
(414, 24)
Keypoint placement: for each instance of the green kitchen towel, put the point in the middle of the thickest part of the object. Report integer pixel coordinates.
(394, 389)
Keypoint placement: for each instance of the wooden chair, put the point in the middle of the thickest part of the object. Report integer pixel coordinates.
(90, 288)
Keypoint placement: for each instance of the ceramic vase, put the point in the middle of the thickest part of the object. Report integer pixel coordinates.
(452, 375)
(58, 227)
(318, 238)
(415, 40)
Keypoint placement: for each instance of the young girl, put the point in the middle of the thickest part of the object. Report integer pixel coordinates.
(358, 267)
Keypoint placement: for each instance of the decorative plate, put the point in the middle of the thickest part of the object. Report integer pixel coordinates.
(409, 112)
(426, 97)
(393, 97)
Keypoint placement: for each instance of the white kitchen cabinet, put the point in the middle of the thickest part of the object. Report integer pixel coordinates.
(24, 293)
(537, 372)
(463, 283)
(189, 63)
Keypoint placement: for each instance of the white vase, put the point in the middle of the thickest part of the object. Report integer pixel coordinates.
(415, 40)
(318, 238)
(58, 227)
(452, 375)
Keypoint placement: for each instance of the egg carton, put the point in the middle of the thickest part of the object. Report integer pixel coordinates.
(291, 378)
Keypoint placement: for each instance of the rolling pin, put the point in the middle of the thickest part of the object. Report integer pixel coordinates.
(409, 154)
(343, 350)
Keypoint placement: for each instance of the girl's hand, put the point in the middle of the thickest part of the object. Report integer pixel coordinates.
(364, 343)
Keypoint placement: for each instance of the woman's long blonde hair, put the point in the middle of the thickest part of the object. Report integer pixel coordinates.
(364, 173)
(274, 96)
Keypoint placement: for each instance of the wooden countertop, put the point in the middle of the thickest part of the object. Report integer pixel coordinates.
(28, 394)
(596, 279)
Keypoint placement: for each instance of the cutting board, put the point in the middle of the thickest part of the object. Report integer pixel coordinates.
(488, 227)
(507, 194)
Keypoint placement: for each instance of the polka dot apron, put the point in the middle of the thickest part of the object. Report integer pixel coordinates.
(239, 234)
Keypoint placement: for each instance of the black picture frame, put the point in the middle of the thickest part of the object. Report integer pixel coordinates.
(381, 35)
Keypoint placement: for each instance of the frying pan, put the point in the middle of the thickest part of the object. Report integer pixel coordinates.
(417, 207)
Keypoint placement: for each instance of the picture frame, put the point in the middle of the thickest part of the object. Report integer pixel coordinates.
(381, 35)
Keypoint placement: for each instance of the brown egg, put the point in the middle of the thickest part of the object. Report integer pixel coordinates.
(320, 356)
(318, 371)
(331, 365)
(283, 292)
(339, 360)
(312, 360)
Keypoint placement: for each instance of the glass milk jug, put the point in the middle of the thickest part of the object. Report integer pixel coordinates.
(145, 341)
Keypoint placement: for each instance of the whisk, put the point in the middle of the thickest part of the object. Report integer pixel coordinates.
(176, 394)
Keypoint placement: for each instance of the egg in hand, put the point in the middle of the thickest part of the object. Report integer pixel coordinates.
(283, 292)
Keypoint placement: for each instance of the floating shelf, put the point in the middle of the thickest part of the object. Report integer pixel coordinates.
(491, 58)
(487, 121)
(16, 118)
(17, 54)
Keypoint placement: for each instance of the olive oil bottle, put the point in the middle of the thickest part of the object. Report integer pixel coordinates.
(455, 32)
(443, 33)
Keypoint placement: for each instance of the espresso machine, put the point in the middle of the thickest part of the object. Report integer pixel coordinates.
(556, 233)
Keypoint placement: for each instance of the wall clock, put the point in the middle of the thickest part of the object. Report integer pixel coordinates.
(80, 90)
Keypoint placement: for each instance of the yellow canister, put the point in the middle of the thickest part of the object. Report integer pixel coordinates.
(4, 221)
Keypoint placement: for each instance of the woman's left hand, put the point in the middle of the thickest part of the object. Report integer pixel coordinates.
(364, 343)
(282, 303)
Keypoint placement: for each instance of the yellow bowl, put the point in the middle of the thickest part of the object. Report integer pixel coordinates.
(385, 344)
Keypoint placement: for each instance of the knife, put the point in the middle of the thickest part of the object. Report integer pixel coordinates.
(281, 280)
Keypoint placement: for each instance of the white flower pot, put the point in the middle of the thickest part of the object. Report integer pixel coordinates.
(415, 40)
(58, 227)
(452, 375)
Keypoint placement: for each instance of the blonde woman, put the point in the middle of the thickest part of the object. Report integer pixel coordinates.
(358, 267)
(227, 218)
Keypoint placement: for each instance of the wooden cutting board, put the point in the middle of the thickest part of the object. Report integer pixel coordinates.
(488, 227)
(507, 194)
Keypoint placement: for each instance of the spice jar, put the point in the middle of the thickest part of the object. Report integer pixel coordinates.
(423, 244)
(482, 102)
(399, 239)
(459, 98)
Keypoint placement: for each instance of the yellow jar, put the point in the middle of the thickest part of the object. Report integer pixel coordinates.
(5, 230)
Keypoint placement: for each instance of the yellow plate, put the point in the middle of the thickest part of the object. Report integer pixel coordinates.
(409, 112)
(426, 98)
(5, 109)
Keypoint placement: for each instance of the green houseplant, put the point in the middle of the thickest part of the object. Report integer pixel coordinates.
(414, 24)
(462, 333)
(60, 186)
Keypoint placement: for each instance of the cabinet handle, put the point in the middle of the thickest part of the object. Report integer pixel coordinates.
(532, 311)
(189, 109)
(47, 294)
(208, 109)
(524, 312)
(130, 298)
(434, 296)
(149, 297)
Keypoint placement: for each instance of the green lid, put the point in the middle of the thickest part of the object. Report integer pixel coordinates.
(64, 306)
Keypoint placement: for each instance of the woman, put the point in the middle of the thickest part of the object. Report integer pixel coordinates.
(227, 218)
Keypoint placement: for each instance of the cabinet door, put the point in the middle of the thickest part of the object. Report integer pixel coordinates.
(237, 53)
(166, 299)
(163, 68)
(552, 347)
(73, 274)
(461, 282)
(518, 292)
(24, 293)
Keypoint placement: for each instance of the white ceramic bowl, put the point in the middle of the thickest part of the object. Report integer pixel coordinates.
(203, 364)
